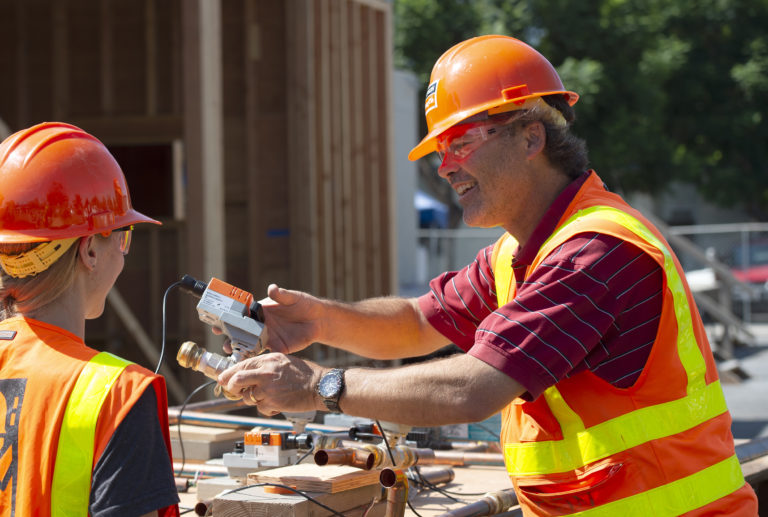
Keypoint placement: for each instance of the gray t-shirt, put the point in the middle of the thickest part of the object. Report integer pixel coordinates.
(134, 475)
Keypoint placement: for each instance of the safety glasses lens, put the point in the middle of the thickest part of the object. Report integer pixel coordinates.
(125, 239)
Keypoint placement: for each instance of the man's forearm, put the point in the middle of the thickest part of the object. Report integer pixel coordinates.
(380, 328)
(452, 390)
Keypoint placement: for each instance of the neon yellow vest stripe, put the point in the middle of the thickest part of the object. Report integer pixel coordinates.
(71, 487)
(581, 446)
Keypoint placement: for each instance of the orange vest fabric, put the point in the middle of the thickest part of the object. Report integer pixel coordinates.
(39, 366)
(662, 447)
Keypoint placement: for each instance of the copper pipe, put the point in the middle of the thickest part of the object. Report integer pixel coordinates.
(433, 475)
(458, 458)
(182, 485)
(397, 491)
(353, 456)
(202, 507)
(490, 504)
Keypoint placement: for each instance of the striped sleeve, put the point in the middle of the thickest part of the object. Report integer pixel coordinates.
(593, 304)
(459, 300)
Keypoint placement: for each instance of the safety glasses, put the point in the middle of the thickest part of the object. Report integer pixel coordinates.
(461, 141)
(124, 234)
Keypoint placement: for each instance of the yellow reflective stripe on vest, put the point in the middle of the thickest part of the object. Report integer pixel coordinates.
(614, 435)
(687, 347)
(71, 487)
(581, 446)
(570, 422)
(503, 277)
(677, 497)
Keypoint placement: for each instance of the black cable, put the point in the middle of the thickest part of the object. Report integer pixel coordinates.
(162, 346)
(295, 491)
(185, 510)
(178, 421)
(421, 481)
(394, 465)
(310, 451)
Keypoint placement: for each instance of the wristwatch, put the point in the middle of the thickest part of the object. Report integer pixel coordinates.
(330, 388)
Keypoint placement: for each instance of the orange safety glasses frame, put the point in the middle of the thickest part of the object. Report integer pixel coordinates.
(462, 140)
(125, 237)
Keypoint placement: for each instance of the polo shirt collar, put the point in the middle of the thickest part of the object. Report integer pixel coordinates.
(548, 223)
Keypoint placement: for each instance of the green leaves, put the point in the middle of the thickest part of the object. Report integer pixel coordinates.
(671, 90)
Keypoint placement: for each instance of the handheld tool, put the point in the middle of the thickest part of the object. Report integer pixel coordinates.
(232, 311)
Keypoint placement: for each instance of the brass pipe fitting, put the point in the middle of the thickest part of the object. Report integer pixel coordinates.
(353, 456)
(397, 491)
(190, 355)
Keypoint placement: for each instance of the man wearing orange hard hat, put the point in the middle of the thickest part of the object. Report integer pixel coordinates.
(577, 324)
(84, 432)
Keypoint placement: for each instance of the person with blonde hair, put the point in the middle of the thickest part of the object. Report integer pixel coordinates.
(82, 432)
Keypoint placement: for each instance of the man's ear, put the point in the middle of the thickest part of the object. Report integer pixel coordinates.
(535, 138)
(86, 252)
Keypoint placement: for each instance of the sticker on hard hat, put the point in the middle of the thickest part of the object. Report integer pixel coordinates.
(431, 101)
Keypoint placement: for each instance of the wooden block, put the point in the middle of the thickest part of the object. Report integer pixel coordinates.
(255, 502)
(211, 434)
(203, 443)
(208, 489)
(314, 478)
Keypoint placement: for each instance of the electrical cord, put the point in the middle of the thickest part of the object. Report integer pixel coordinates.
(178, 421)
(304, 456)
(295, 491)
(162, 346)
(392, 459)
(447, 493)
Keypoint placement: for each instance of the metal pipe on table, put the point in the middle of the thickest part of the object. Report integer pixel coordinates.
(239, 421)
(202, 508)
(397, 491)
(431, 475)
(353, 456)
(490, 504)
(459, 458)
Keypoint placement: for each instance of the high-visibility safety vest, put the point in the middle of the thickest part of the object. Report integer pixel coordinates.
(61, 402)
(662, 447)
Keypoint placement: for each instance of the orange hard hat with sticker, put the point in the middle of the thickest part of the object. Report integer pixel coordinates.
(59, 182)
(487, 73)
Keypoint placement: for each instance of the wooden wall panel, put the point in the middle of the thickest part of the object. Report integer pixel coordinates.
(87, 57)
(347, 80)
(305, 129)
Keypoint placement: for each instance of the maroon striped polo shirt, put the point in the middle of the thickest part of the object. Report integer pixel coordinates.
(593, 304)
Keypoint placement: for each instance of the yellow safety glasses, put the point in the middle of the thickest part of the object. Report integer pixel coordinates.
(125, 237)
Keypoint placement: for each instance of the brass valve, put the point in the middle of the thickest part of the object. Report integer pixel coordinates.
(190, 355)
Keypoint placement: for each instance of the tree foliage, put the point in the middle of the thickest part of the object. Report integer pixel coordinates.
(671, 90)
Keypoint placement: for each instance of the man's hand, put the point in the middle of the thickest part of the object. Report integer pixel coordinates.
(294, 321)
(275, 383)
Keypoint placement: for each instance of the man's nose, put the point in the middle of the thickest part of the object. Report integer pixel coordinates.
(447, 166)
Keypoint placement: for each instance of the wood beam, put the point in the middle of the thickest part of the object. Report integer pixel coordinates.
(203, 130)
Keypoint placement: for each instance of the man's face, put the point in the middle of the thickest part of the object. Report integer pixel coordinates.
(485, 163)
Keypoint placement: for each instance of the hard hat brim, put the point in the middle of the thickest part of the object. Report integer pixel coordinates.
(47, 234)
(428, 144)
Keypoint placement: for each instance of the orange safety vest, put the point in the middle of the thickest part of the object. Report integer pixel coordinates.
(51, 384)
(662, 447)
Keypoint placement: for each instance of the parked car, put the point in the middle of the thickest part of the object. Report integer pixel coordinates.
(750, 263)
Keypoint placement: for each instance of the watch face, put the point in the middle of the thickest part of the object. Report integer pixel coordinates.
(330, 385)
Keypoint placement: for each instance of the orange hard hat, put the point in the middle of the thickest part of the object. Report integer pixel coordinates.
(487, 73)
(59, 182)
